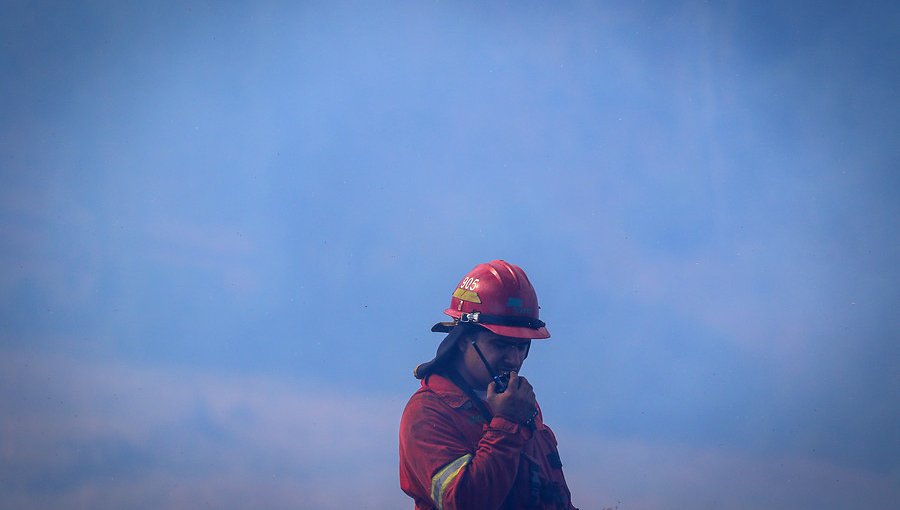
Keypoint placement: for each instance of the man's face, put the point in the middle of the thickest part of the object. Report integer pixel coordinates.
(504, 353)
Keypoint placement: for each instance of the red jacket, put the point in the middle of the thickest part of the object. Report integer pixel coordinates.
(451, 459)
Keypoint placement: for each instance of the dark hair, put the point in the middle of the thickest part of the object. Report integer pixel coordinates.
(467, 332)
(447, 350)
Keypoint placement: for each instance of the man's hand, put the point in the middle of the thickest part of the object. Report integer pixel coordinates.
(517, 403)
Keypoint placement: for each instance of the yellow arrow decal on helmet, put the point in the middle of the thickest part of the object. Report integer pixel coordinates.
(467, 295)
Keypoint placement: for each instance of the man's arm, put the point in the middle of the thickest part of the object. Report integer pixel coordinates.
(441, 460)
(438, 459)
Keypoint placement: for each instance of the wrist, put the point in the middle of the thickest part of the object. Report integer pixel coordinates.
(527, 419)
(530, 421)
(510, 425)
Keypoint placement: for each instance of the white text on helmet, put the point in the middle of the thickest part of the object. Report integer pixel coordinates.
(469, 283)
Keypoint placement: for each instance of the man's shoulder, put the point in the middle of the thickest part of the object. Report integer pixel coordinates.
(439, 407)
(437, 392)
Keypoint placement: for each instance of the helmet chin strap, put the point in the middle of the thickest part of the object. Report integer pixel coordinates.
(500, 383)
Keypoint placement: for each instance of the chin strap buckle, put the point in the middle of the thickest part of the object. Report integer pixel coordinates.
(469, 317)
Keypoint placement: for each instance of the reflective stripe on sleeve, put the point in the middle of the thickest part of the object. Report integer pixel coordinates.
(443, 478)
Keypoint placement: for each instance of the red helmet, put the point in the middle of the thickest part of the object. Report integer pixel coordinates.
(498, 296)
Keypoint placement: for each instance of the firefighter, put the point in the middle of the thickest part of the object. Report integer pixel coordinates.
(473, 437)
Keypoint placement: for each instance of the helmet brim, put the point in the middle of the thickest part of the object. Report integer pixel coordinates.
(512, 331)
(517, 332)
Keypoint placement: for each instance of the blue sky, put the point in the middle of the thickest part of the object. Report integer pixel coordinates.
(227, 229)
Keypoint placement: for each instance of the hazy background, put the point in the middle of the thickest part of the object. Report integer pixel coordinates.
(227, 228)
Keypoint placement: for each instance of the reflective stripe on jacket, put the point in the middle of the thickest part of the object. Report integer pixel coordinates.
(451, 459)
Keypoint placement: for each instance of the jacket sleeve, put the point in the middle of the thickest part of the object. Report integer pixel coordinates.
(556, 464)
(440, 462)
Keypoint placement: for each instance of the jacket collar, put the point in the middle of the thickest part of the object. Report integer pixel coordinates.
(446, 390)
